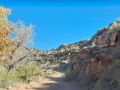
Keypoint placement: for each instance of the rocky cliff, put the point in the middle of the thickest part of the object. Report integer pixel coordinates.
(102, 53)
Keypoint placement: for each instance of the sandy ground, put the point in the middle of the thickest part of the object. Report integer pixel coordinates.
(53, 82)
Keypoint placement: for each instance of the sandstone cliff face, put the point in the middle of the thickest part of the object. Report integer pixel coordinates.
(99, 54)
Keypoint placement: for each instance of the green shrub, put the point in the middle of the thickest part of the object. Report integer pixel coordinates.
(23, 74)
(69, 75)
(29, 72)
(79, 77)
(72, 75)
(7, 78)
(115, 26)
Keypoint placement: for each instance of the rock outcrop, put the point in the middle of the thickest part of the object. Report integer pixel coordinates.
(100, 53)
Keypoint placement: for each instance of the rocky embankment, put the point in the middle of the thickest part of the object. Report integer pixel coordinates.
(97, 67)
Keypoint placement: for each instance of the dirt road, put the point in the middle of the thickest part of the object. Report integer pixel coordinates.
(54, 82)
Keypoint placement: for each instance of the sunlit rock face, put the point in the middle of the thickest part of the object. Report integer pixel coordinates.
(107, 39)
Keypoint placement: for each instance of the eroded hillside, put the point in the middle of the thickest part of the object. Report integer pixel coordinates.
(97, 67)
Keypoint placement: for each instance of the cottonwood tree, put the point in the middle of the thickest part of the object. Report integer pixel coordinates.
(12, 36)
(6, 44)
(22, 36)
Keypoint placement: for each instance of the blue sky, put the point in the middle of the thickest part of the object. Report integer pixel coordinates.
(63, 21)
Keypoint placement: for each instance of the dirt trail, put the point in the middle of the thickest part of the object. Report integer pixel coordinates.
(54, 82)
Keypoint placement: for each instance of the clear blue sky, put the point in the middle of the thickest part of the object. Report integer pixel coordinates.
(63, 21)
